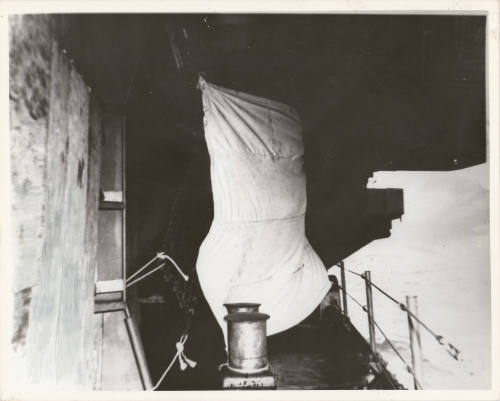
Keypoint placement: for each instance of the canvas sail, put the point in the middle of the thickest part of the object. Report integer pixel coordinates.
(256, 249)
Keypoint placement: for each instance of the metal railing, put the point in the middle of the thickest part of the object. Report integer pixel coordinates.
(414, 324)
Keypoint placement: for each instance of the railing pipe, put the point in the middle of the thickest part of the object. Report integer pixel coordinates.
(369, 305)
(344, 289)
(415, 343)
(137, 347)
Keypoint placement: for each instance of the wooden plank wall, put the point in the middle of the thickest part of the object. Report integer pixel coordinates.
(55, 157)
(29, 97)
(92, 359)
(29, 94)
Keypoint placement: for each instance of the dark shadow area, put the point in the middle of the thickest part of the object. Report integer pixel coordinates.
(374, 93)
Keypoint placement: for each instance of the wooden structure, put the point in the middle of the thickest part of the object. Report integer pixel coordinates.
(55, 155)
(67, 160)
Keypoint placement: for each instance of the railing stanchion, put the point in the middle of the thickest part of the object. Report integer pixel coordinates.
(415, 344)
(344, 289)
(369, 305)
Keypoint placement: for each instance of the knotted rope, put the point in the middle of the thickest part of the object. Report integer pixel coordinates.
(184, 361)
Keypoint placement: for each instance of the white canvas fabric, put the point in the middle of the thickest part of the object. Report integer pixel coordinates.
(256, 249)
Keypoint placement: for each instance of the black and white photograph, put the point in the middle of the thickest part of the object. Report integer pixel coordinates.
(208, 201)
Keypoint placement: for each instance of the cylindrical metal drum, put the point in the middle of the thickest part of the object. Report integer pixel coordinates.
(242, 307)
(247, 342)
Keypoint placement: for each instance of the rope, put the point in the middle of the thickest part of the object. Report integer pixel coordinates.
(242, 371)
(184, 361)
(142, 268)
(355, 301)
(453, 351)
(407, 366)
(145, 275)
(355, 273)
(161, 256)
(221, 366)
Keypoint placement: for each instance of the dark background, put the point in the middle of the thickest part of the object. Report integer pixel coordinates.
(374, 93)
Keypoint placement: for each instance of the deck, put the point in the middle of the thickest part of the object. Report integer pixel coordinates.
(313, 355)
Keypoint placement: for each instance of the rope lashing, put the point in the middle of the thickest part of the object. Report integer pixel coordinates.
(453, 351)
(184, 361)
(160, 256)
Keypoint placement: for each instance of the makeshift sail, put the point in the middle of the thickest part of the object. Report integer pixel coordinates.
(256, 249)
